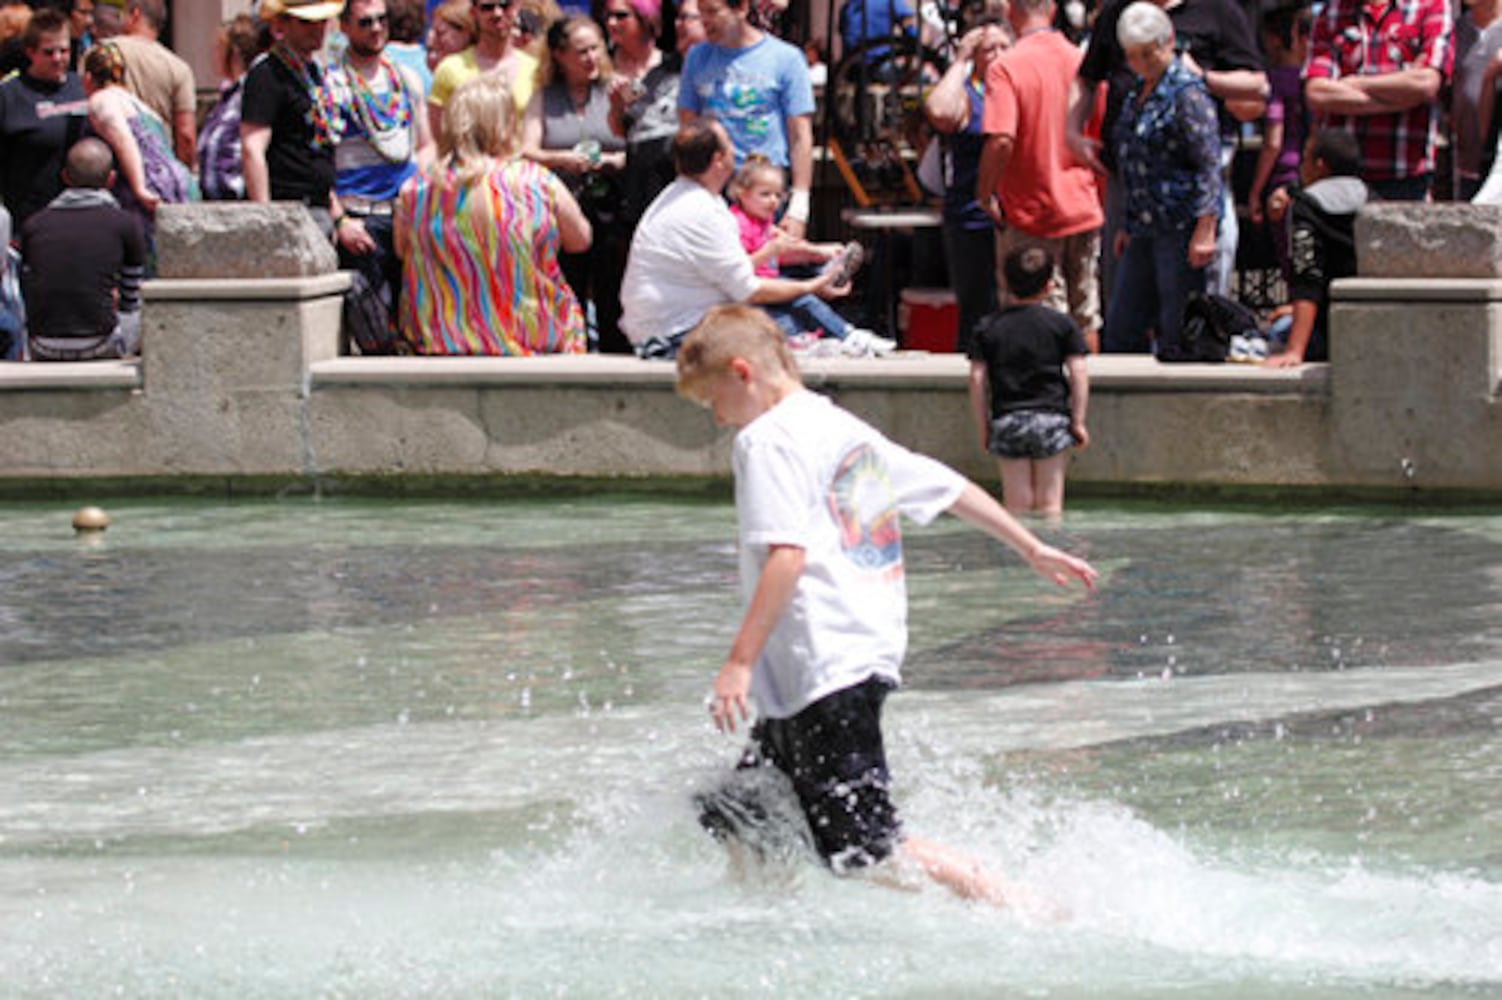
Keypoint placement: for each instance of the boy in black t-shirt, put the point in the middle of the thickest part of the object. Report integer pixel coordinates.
(1027, 411)
(1322, 239)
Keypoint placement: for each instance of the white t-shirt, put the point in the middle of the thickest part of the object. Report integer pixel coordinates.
(686, 258)
(809, 474)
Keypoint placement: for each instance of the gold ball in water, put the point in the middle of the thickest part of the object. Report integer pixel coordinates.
(90, 519)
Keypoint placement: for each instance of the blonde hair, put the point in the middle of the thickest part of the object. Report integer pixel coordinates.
(479, 127)
(755, 165)
(457, 14)
(104, 64)
(724, 334)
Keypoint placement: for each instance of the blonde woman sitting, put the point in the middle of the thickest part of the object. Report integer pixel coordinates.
(479, 234)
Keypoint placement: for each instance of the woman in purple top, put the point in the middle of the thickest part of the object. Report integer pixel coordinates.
(220, 175)
(1285, 38)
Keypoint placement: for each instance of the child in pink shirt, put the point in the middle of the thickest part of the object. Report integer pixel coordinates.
(756, 193)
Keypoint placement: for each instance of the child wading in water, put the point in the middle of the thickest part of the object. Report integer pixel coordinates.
(756, 194)
(818, 496)
(1028, 413)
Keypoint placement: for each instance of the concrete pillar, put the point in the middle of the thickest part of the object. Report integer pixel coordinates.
(1416, 350)
(225, 369)
(1415, 366)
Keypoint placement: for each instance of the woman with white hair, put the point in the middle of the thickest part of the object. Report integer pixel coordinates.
(1168, 155)
(479, 234)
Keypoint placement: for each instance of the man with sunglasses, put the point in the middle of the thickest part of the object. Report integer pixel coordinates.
(286, 146)
(493, 52)
(379, 126)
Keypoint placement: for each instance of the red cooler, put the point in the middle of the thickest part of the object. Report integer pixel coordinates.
(929, 319)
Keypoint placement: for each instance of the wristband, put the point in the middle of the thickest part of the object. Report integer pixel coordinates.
(798, 206)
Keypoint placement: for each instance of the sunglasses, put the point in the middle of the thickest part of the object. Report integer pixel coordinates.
(617, 15)
(372, 21)
(486, 8)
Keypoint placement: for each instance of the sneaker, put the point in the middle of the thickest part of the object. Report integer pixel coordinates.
(859, 343)
(846, 262)
(1240, 349)
(1257, 349)
(803, 343)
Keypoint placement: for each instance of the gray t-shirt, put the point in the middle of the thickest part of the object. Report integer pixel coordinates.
(564, 126)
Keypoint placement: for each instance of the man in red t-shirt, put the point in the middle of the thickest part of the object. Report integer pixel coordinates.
(1030, 183)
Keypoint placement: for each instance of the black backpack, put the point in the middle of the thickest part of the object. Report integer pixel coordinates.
(1210, 321)
(367, 318)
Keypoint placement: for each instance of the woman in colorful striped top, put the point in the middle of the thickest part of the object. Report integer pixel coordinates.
(479, 236)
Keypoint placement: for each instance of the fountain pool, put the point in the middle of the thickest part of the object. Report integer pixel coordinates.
(351, 748)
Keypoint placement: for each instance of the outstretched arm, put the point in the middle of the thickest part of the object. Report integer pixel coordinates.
(779, 578)
(979, 508)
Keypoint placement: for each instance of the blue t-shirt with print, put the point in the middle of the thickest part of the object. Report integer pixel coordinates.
(751, 91)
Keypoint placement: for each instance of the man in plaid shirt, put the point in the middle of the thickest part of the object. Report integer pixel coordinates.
(1376, 68)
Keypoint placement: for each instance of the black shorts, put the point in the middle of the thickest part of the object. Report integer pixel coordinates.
(833, 755)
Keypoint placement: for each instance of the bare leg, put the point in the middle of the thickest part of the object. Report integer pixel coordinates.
(1017, 485)
(1048, 484)
(959, 874)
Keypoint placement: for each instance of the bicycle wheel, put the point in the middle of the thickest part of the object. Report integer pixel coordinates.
(875, 85)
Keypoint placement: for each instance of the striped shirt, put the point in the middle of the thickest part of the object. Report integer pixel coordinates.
(481, 273)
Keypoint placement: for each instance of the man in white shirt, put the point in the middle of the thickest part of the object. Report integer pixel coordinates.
(686, 256)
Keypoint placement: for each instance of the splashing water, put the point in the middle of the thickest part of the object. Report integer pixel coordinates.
(362, 749)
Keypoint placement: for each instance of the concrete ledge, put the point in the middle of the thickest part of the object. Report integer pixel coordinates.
(70, 375)
(245, 289)
(1418, 289)
(558, 369)
(1120, 372)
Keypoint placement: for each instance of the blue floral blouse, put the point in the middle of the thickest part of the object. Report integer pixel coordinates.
(1168, 154)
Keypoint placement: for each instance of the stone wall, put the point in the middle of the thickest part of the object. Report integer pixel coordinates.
(243, 387)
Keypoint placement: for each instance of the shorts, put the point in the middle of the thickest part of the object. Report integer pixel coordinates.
(833, 755)
(1031, 434)
(1076, 274)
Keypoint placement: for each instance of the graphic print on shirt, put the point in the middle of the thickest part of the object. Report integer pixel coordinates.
(861, 501)
(746, 96)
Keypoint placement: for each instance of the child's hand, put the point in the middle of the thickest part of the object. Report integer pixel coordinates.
(729, 697)
(825, 287)
(1051, 564)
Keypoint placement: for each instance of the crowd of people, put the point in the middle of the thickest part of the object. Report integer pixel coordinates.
(519, 177)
